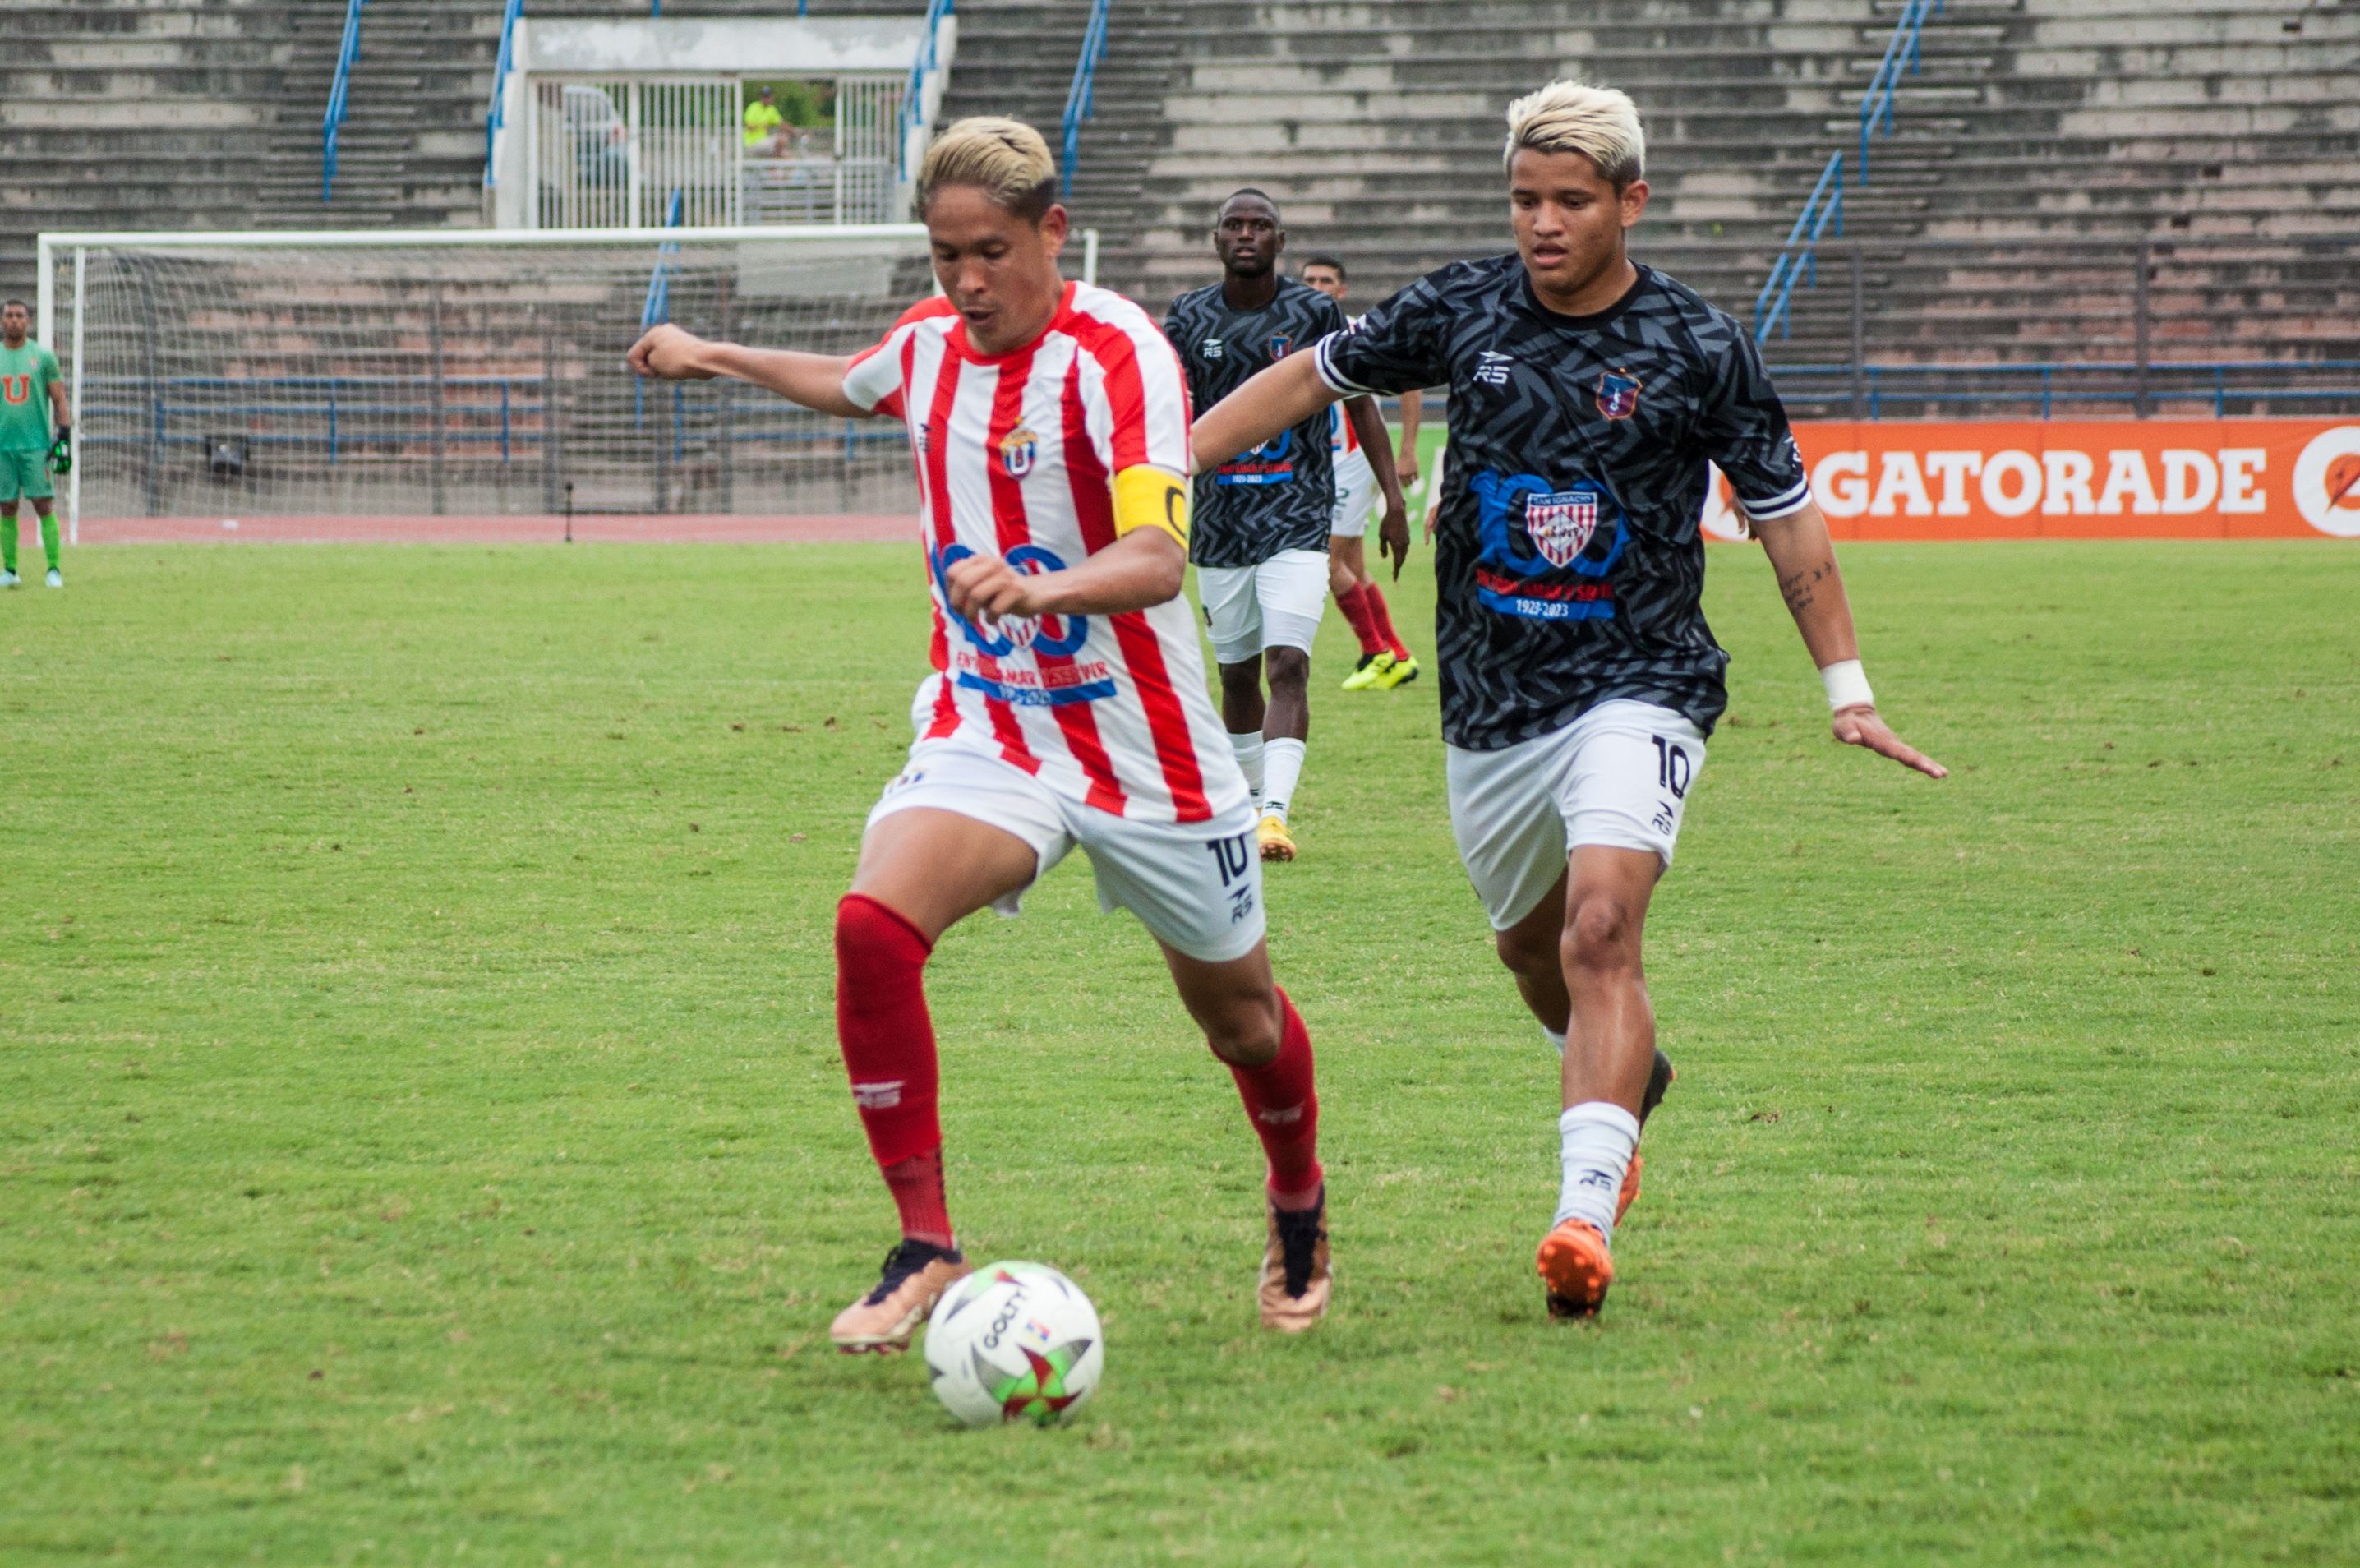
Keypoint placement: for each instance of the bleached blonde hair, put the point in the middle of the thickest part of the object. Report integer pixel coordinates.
(1005, 158)
(1600, 123)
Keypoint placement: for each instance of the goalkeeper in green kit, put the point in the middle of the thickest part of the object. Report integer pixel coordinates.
(31, 392)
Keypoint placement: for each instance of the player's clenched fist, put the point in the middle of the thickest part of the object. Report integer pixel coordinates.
(670, 355)
(984, 588)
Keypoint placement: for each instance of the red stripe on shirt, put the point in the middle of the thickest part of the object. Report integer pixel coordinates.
(1125, 391)
(1167, 722)
(1075, 721)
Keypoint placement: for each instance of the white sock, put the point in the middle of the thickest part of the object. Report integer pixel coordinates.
(1281, 767)
(1596, 1140)
(1249, 750)
(1556, 1037)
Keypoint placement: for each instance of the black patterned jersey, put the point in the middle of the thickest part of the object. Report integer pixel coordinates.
(1567, 550)
(1281, 495)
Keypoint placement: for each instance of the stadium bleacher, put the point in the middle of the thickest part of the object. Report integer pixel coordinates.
(2224, 141)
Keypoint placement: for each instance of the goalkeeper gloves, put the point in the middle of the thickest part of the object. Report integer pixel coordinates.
(62, 452)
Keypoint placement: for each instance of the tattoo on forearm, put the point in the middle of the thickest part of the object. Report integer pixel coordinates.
(1799, 588)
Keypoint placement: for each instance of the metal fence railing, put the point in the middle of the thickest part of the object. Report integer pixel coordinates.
(1079, 97)
(339, 93)
(1812, 223)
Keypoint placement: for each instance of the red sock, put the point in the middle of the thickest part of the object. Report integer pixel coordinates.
(1284, 1106)
(1381, 619)
(889, 1049)
(1355, 605)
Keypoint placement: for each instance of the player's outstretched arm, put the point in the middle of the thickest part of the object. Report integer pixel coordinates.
(1805, 559)
(1393, 534)
(815, 380)
(1278, 398)
(1144, 568)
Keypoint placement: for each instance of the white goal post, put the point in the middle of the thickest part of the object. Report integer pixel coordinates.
(467, 372)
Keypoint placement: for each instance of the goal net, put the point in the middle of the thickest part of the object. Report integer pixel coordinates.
(471, 373)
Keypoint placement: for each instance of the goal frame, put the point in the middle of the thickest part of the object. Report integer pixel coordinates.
(49, 247)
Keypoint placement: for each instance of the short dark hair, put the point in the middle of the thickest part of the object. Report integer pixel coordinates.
(1245, 190)
(18, 303)
(1321, 258)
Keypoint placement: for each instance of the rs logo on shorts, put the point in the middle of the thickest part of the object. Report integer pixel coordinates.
(1234, 858)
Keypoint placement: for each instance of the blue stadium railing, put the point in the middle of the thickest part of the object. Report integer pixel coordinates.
(503, 417)
(1770, 306)
(1080, 96)
(497, 116)
(339, 92)
(346, 417)
(929, 58)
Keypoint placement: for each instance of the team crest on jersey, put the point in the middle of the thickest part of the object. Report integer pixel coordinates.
(16, 388)
(1561, 523)
(1018, 449)
(1279, 344)
(1618, 394)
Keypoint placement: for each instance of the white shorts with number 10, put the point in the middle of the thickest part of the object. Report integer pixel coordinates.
(1618, 776)
(1197, 885)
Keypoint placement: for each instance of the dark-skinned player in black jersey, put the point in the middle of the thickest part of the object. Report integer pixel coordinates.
(1588, 396)
(1260, 536)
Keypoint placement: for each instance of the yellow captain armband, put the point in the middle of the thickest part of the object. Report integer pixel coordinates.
(1150, 497)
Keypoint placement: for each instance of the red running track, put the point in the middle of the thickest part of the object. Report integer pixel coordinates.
(852, 528)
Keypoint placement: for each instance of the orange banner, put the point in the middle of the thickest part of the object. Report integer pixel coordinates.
(2242, 478)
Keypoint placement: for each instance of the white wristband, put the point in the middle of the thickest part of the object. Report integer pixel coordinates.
(1847, 685)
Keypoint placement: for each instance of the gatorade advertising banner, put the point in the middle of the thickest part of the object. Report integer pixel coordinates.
(2245, 479)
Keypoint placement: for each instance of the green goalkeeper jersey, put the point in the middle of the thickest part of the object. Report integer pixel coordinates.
(25, 376)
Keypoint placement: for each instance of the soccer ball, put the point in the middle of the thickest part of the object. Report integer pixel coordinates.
(1013, 1340)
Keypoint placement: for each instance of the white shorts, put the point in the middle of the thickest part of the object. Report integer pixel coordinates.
(1356, 496)
(1273, 605)
(1618, 776)
(1197, 885)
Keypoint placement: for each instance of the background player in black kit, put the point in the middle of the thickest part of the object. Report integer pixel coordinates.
(1578, 678)
(1260, 539)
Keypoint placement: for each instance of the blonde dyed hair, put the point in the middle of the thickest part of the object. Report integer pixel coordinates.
(1600, 123)
(1006, 159)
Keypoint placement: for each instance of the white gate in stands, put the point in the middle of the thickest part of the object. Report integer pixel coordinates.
(614, 152)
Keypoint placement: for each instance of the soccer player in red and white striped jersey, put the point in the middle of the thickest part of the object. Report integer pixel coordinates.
(1067, 706)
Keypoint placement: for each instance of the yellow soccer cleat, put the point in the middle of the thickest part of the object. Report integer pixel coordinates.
(1277, 843)
(1371, 670)
(1398, 672)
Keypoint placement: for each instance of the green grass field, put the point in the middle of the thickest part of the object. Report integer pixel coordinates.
(422, 1137)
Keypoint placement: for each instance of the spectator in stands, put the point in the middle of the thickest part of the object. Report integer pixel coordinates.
(765, 132)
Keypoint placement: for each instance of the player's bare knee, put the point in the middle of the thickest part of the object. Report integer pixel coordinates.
(1247, 1034)
(1603, 933)
(1290, 669)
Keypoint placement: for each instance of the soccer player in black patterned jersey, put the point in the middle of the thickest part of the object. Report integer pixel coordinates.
(1578, 679)
(1260, 539)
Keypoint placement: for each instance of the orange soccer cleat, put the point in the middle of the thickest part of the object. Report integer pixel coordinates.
(1575, 1266)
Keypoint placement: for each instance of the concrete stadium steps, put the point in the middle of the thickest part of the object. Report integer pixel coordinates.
(410, 153)
(122, 116)
(1376, 125)
(206, 114)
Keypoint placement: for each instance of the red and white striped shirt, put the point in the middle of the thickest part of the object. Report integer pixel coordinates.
(1016, 453)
